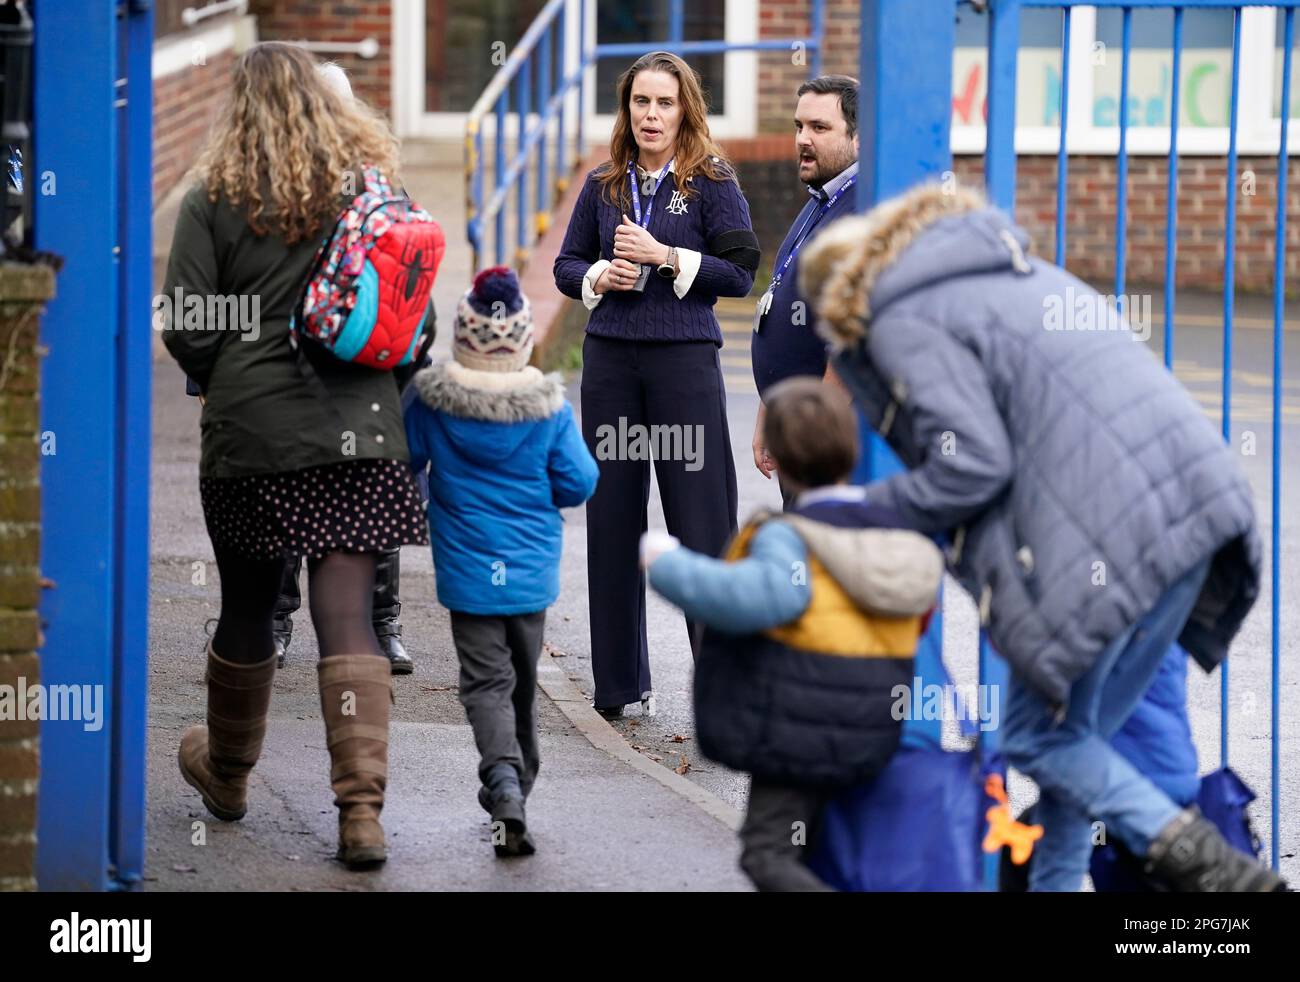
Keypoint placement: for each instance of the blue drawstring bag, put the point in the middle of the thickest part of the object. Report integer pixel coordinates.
(916, 826)
(1223, 799)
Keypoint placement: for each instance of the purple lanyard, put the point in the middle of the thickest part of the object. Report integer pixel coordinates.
(814, 218)
(636, 194)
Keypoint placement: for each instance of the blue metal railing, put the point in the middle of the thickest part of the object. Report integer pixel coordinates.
(540, 85)
(1000, 175)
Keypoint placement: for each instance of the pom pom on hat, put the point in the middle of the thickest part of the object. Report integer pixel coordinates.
(494, 323)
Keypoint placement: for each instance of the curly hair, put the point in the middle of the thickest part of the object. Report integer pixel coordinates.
(286, 147)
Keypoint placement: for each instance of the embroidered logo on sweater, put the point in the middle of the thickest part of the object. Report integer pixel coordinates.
(677, 204)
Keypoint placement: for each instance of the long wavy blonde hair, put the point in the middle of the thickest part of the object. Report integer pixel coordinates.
(695, 152)
(284, 141)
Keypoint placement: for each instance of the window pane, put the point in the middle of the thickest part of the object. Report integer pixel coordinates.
(466, 42)
(629, 21)
(1206, 68)
(1038, 68)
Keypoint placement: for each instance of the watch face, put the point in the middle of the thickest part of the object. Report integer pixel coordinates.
(666, 271)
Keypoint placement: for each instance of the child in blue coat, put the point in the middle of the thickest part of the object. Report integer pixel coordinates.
(504, 456)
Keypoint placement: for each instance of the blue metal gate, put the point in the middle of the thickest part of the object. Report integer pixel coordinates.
(906, 109)
(92, 189)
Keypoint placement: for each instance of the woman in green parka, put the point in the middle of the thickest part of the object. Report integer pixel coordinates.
(302, 454)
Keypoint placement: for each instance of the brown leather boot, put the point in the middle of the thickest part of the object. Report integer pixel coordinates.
(355, 691)
(216, 759)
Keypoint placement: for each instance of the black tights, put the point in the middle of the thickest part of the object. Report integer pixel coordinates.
(340, 591)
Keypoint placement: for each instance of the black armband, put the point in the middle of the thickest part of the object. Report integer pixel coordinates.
(739, 246)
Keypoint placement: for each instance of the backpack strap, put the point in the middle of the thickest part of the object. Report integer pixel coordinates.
(376, 182)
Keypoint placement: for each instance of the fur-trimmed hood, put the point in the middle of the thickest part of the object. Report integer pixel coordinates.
(859, 264)
(493, 397)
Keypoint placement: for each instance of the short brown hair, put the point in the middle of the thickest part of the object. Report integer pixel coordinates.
(811, 431)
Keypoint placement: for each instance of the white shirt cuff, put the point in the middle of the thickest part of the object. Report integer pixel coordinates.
(688, 261)
(589, 295)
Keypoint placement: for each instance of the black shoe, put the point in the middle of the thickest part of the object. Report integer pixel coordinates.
(503, 798)
(1191, 856)
(281, 642)
(609, 712)
(398, 659)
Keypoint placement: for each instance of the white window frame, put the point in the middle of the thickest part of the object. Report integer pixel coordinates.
(407, 80)
(1258, 131)
(740, 73)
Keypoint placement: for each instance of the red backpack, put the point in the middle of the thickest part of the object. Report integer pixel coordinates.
(367, 295)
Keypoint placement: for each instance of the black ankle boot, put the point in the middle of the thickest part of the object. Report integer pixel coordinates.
(289, 600)
(1190, 855)
(503, 798)
(387, 608)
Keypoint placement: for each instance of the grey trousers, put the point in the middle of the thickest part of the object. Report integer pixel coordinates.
(498, 684)
(777, 833)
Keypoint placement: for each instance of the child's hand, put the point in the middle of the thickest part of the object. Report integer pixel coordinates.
(654, 544)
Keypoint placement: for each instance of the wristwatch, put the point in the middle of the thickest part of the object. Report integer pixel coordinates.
(668, 268)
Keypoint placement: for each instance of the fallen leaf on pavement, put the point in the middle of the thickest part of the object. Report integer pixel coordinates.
(683, 767)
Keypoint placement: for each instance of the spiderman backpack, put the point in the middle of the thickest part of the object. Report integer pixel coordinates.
(367, 294)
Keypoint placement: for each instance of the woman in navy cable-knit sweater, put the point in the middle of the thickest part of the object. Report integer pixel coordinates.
(659, 232)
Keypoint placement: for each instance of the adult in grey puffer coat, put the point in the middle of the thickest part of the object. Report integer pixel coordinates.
(1082, 490)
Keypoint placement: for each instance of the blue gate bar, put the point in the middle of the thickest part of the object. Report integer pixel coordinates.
(1000, 146)
(1162, 4)
(634, 49)
(76, 145)
(1062, 154)
(676, 19)
(1229, 302)
(543, 201)
(1171, 194)
(498, 174)
(523, 105)
(817, 30)
(1121, 164)
(1000, 178)
(561, 137)
(1279, 311)
(135, 367)
(583, 64)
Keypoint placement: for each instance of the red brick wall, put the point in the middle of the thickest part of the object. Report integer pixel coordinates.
(23, 290)
(1202, 195)
(779, 76)
(184, 104)
(351, 21)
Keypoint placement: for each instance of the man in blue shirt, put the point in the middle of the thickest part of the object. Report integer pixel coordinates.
(826, 142)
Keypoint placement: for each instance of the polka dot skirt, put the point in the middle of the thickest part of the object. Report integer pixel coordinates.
(354, 506)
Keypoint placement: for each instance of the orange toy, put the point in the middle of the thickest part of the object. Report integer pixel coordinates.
(1005, 830)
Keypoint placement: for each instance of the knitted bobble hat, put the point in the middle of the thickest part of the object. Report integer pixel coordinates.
(494, 324)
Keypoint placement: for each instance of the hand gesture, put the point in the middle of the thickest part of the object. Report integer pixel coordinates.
(620, 275)
(635, 244)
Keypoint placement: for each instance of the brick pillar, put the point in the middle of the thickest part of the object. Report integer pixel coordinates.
(23, 292)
